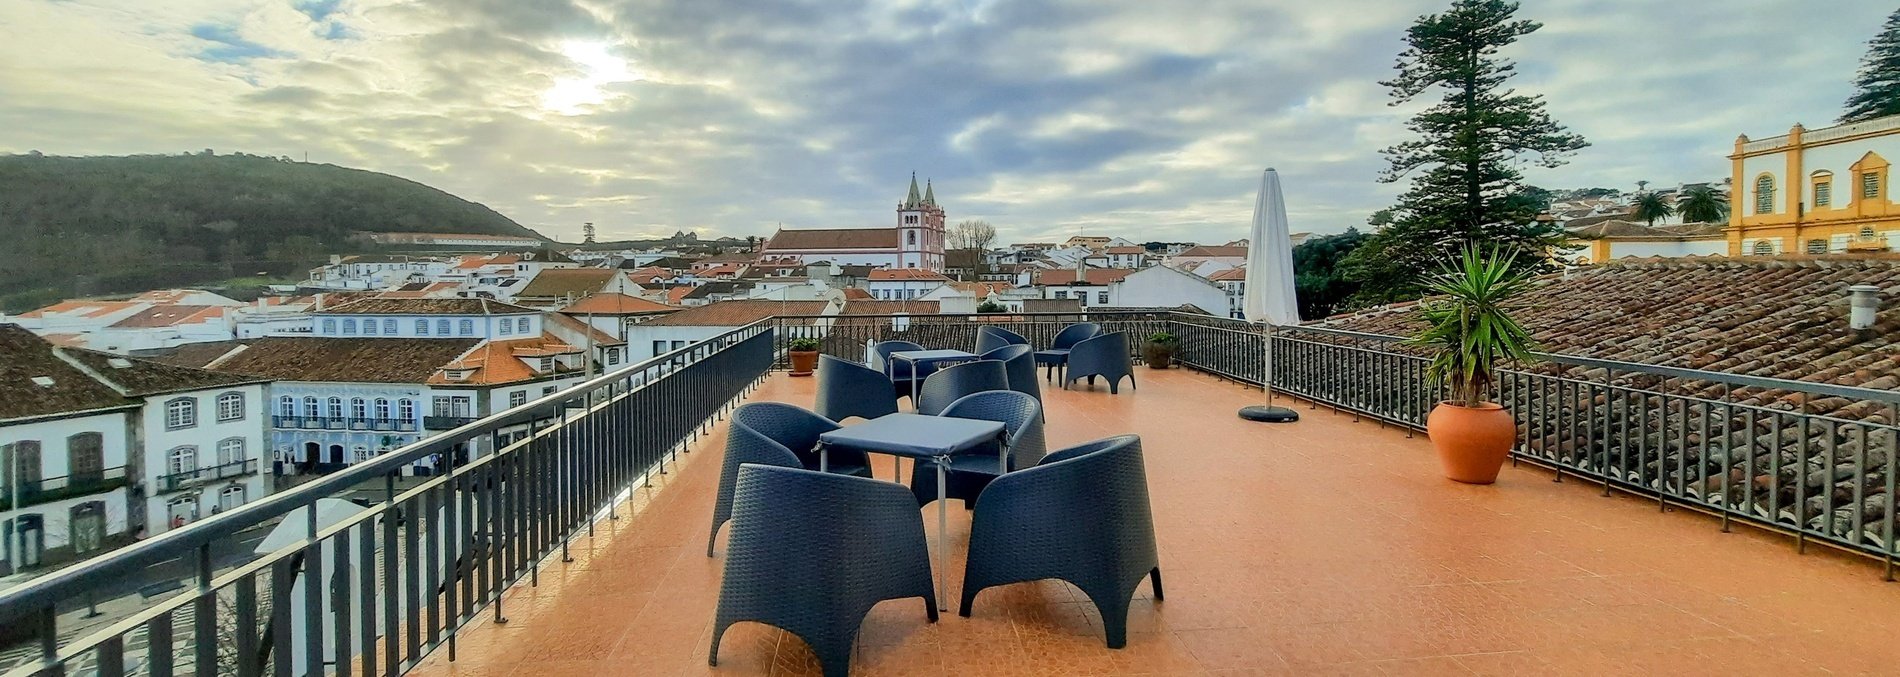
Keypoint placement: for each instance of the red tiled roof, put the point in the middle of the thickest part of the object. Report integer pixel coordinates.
(347, 360)
(674, 295)
(83, 308)
(554, 283)
(838, 238)
(610, 303)
(1214, 250)
(170, 316)
(1777, 317)
(901, 274)
(1236, 274)
(892, 307)
(855, 293)
(497, 362)
(735, 313)
(23, 357)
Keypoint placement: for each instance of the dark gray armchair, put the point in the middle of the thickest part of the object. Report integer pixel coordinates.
(1081, 516)
(812, 552)
(955, 381)
(971, 471)
(775, 434)
(1105, 356)
(989, 337)
(1058, 353)
(847, 389)
(899, 372)
(1020, 365)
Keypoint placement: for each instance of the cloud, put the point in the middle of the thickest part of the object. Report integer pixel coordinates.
(734, 116)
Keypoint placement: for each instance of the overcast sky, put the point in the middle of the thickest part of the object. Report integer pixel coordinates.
(1145, 119)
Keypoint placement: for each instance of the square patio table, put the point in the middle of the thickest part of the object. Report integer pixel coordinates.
(924, 358)
(921, 437)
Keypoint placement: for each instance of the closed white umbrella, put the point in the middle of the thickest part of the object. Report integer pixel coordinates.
(1270, 295)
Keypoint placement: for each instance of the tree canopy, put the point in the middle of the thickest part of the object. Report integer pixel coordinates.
(1877, 84)
(1465, 185)
(1702, 204)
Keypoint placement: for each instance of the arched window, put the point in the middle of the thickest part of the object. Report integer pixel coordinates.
(230, 450)
(1765, 194)
(86, 457)
(359, 409)
(181, 460)
(468, 327)
(22, 456)
(310, 407)
(442, 327)
(382, 408)
(329, 326)
(181, 412)
(335, 408)
(231, 497)
(231, 407)
(1817, 246)
(422, 327)
(1764, 248)
(406, 409)
(1866, 233)
(349, 327)
(287, 406)
(389, 327)
(911, 237)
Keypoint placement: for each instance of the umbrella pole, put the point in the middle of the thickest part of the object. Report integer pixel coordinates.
(1268, 413)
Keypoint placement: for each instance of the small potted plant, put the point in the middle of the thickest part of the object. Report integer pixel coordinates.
(804, 351)
(1159, 353)
(991, 308)
(1469, 333)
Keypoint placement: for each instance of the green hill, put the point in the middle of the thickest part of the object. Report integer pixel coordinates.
(101, 225)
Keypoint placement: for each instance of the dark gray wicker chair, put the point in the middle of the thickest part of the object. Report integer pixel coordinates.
(1105, 356)
(1020, 364)
(1081, 516)
(955, 381)
(775, 434)
(899, 372)
(811, 554)
(971, 471)
(1058, 353)
(847, 389)
(990, 338)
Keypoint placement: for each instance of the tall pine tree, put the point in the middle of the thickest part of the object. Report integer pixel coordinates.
(1465, 185)
(1877, 87)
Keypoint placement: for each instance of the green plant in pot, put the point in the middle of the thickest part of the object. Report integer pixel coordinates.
(1469, 335)
(1159, 352)
(991, 308)
(804, 352)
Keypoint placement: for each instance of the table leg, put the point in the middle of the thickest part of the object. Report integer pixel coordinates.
(943, 532)
(824, 459)
(913, 387)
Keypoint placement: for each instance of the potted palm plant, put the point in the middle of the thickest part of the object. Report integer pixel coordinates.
(804, 351)
(1159, 352)
(1469, 335)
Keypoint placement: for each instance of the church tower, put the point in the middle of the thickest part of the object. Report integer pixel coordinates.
(920, 229)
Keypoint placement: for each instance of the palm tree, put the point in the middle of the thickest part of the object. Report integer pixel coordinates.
(1650, 206)
(1701, 204)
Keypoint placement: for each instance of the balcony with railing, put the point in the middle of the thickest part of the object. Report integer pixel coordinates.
(180, 481)
(1653, 520)
(45, 490)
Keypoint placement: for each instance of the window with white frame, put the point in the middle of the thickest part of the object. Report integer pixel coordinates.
(231, 407)
(369, 327)
(310, 407)
(406, 409)
(521, 325)
(1101, 297)
(287, 406)
(349, 327)
(359, 409)
(382, 408)
(181, 460)
(442, 327)
(507, 327)
(422, 327)
(230, 450)
(329, 326)
(517, 398)
(181, 412)
(231, 497)
(335, 407)
(389, 327)
(468, 327)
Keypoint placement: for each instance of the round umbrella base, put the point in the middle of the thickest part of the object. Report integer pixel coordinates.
(1269, 414)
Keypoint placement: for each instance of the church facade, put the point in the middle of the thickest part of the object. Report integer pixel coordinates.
(917, 241)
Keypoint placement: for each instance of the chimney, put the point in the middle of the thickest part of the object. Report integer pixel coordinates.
(1863, 303)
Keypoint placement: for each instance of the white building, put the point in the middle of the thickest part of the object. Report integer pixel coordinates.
(1164, 287)
(896, 284)
(665, 334)
(917, 241)
(97, 449)
(369, 272)
(1125, 257)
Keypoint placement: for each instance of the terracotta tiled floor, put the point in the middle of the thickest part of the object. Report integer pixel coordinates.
(1326, 546)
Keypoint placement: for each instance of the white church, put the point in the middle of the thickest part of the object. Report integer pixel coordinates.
(916, 242)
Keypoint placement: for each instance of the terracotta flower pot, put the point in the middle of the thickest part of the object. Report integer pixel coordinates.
(1158, 355)
(1472, 442)
(803, 362)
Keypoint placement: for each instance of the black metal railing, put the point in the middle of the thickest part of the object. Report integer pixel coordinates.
(849, 336)
(179, 481)
(398, 578)
(48, 489)
(445, 422)
(1814, 460)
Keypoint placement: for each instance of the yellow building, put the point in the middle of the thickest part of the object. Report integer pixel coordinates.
(1816, 191)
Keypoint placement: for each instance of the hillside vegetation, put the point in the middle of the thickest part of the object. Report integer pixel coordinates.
(81, 226)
